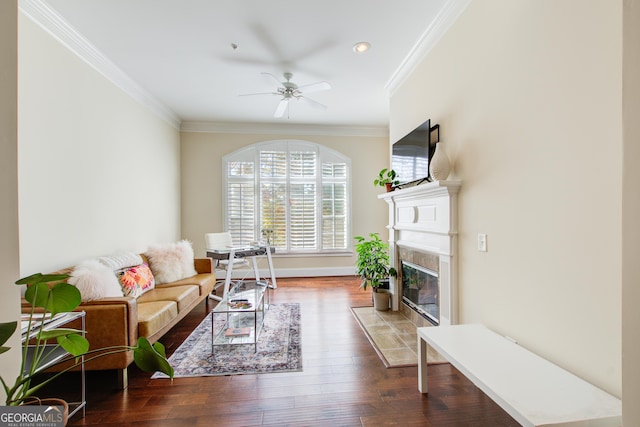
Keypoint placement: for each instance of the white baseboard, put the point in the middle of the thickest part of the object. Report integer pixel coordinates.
(298, 272)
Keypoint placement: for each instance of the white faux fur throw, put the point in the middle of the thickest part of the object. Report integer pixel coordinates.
(171, 261)
(95, 281)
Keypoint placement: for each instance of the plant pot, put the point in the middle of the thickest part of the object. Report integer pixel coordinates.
(50, 401)
(381, 300)
(389, 187)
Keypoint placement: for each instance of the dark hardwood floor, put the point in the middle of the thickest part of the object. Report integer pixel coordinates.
(343, 382)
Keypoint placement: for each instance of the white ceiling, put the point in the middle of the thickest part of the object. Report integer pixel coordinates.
(180, 52)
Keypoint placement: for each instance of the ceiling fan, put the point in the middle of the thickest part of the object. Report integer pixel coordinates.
(288, 91)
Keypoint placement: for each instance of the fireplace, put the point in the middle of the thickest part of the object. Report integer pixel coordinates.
(420, 290)
(423, 240)
(420, 285)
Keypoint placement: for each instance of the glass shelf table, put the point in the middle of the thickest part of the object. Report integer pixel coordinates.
(240, 315)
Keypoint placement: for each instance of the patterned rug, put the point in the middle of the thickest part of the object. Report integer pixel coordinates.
(279, 348)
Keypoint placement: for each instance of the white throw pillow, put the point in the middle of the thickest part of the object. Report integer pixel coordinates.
(95, 281)
(120, 261)
(171, 261)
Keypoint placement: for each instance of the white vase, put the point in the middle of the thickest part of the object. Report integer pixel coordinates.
(439, 166)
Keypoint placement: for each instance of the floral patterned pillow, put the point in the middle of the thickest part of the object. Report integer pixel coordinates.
(136, 280)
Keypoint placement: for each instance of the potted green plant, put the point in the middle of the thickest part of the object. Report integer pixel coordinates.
(386, 178)
(48, 296)
(372, 265)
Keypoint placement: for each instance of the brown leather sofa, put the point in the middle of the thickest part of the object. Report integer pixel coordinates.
(118, 321)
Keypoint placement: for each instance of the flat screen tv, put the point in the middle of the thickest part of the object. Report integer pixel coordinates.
(411, 154)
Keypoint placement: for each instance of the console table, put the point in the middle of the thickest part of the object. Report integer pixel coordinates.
(253, 252)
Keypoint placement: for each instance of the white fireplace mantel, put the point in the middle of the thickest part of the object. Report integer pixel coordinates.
(425, 218)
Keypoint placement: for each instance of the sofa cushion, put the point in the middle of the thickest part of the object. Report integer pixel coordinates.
(182, 295)
(154, 315)
(136, 280)
(172, 261)
(205, 282)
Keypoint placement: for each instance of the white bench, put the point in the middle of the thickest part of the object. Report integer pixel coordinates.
(534, 391)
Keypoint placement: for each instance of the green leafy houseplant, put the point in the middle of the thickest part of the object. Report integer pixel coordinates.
(51, 300)
(386, 178)
(372, 264)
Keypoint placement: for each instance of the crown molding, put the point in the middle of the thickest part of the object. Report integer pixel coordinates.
(280, 129)
(450, 12)
(47, 18)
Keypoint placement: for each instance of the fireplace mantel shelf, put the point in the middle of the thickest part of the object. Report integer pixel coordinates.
(431, 189)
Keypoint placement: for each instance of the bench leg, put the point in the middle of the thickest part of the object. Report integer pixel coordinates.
(422, 365)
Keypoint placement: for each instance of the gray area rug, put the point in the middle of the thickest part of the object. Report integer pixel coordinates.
(279, 348)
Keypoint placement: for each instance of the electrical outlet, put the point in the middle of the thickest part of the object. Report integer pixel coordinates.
(482, 242)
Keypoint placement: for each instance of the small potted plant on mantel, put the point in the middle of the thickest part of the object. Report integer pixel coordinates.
(386, 178)
(372, 266)
(48, 296)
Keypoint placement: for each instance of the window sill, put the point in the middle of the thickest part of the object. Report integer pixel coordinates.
(312, 254)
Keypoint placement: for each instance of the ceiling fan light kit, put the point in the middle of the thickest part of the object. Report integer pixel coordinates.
(289, 90)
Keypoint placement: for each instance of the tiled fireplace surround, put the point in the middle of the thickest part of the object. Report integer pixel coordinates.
(423, 230)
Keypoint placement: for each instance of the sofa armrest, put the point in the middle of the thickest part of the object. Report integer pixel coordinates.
(114, 320)
(203, 265)
(111, 322)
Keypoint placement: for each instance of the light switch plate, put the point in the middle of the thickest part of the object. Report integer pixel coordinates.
(482, 242)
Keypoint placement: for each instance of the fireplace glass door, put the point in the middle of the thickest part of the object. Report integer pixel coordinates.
(420, 291)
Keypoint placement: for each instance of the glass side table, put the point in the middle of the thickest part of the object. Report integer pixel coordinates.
(55, 354)
(240, 315)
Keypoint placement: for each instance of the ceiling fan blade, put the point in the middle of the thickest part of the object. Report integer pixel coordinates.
(313, 104)
(260, 93)
(314, 87)
(282, 107)
(272, 77)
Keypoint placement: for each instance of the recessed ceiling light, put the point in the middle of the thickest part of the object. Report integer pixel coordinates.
(361, 47)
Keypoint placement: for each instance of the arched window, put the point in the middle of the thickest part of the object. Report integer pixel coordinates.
(294, 193)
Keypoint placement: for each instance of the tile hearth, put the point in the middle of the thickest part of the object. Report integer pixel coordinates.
(393, 335)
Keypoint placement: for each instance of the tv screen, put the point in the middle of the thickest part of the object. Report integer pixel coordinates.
(411, 154)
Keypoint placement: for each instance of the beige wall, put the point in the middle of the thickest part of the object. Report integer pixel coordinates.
(9, 261)
(528, 96)
(99, 173)
(202, 190)
(630, 215)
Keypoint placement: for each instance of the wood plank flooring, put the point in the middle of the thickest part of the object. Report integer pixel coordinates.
(343, 382)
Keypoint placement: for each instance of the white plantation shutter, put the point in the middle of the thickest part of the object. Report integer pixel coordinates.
(302, 200)
(297, 192)
(273, 195)
(334, 206)
(241, 201)
(273, 213)
(303, 217)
